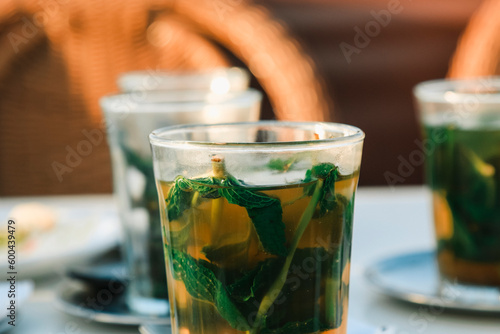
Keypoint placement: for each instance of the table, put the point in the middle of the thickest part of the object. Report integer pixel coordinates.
(387, 221)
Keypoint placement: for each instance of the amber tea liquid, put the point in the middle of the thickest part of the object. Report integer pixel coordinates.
(221, 273)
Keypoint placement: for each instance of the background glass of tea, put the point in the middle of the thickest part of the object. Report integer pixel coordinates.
(461, 126)
(257, 221)
(130, 118)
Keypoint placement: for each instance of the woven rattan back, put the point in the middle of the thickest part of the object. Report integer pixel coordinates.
(478, 52)
(58, 57)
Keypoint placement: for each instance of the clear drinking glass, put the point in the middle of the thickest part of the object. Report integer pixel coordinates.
(130, 118)
(257, 224)
(218, 80)
(461, 125)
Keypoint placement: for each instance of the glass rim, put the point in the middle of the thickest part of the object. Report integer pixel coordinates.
(175, 100)
(352, 135)
(484, 89)
(131, 81)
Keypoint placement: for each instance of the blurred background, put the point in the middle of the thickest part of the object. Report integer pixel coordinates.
(350, 61)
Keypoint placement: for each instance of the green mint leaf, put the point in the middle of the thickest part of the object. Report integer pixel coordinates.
(179, 238)
(236, 193)
(201, 283)
(477, 179)
(323, 170)
(328, 199)
(439, 163)
(264, 211)
(309, 189)
(330, 174)
(281, 165)
(206, 187)
(225, 253)
(466, 172)
(320, 171)
(145, 166)
(179, 198)
(182, 191)
(270, 228)
(255, 282)
(314, 274)
(309, 267)
(473, 197)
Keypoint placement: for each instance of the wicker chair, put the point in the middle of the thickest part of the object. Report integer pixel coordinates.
(478, 52)
(58, 57)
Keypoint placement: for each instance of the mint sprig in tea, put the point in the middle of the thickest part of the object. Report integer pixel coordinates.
(463, 172)
(259, 259)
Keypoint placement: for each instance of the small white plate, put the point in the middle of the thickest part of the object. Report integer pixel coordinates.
(414, 278)
(78, 235)
(73, 298)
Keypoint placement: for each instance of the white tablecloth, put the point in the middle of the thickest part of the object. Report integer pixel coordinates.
(386, 222)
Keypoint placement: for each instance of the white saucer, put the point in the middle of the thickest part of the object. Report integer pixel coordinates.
(414, 278)
(73, 298)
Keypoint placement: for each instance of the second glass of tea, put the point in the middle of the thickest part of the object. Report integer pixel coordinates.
(130, 118)
(461, 125)
(257, 224)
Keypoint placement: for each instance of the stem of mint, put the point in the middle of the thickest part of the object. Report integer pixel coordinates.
(218, 171)
(275, 289)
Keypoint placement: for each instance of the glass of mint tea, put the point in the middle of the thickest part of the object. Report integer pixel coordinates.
(130, 119)
(257, 225)
(461, 126)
